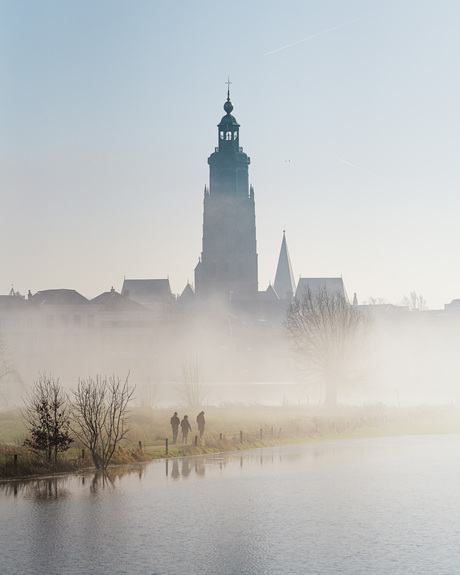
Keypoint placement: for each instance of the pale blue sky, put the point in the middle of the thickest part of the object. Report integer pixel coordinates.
(108, 113)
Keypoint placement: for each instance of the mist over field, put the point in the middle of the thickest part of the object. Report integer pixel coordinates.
(229, 291)
(104, 164)
(409, 359)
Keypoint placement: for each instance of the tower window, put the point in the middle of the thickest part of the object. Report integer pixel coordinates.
(235, 135)
(221, 135)
(228, 136)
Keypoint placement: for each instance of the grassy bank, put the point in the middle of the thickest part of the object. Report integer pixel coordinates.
(230, 429)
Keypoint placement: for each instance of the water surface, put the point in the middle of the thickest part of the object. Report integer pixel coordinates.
(371, 506)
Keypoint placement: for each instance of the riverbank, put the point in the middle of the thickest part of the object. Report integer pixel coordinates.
(231, 428)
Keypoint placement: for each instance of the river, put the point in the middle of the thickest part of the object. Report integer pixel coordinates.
(368, 506)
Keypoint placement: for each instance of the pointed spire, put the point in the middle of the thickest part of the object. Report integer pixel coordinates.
(228, 106)
(284, 280)
(228, 88)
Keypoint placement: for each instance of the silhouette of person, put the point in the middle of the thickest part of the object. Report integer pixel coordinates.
(201, 423)
(175, 470)
(175, 422)
(186, 468)
(186, 427)
(200, 468)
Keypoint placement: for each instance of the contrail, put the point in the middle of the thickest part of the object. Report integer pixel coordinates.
(317, 34)
(357, 168)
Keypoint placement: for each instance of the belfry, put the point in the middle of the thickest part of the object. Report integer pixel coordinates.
(227, 269)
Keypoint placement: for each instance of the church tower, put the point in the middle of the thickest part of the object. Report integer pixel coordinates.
(228, 265)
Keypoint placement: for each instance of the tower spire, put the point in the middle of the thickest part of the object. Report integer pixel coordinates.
(228, 106)
(228, 88)
(284, 280)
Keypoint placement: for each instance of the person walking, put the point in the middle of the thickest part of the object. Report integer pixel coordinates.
(186, 427)
(201, 423)
(175, 422)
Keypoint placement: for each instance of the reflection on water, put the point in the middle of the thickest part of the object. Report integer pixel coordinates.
(184, 467)
(354, 507)
(54, 488)
(40, 490)
(177, 468)
(109, 478)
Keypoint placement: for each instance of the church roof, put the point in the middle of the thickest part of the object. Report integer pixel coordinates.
(188, 293)
(147, 291)
(284, 280)
(332, 285)
(113, 301)
(59, 297)
(228, 120)
(269, 294)
(12, 301)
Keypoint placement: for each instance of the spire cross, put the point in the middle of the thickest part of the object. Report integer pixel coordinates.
(228, 87)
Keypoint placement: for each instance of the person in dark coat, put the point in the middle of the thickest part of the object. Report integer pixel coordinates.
(186, 427)
(175, 422)
(201, 423)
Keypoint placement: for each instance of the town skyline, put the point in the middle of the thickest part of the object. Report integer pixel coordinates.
(348, 114)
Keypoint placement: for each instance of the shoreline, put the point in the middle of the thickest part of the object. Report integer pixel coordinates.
(394, 429)
(261, 427)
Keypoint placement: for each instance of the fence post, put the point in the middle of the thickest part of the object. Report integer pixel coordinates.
(83, 454)
(196, 439)
(241, 437)
(166, 446)
(279, 433)
(261, 434)
(220, 437)
(15, 460)
(272, 431)
(140, 445)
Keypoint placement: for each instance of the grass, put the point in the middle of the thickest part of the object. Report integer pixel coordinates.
(12, 428)
(28, 464)
(279, 425)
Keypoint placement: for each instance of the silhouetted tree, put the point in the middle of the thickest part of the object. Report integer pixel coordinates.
(7, 367)
(190, 386)
(375, 301)
(414, 301)
(100, 415)
(148, 395)
(330, 337)
(47, 418)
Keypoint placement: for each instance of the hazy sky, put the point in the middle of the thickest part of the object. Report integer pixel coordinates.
(349, 111)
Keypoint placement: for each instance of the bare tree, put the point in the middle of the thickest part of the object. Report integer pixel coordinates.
(148, 395)
(5, 361)
(330, 337)
(414, 301)
(190, 386)
(7, 367)
(47, 418)
(100, 415)
(375, 301)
